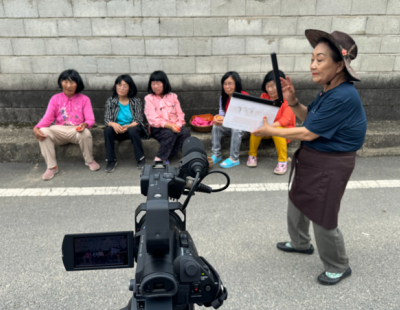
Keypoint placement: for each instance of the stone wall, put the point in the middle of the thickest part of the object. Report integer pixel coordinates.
(194, 41)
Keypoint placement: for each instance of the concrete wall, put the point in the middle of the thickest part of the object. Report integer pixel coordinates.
(194, 41)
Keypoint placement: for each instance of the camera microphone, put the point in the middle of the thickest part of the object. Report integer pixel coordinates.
(194, 158)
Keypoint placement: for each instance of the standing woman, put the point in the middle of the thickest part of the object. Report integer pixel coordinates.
(334, 129)
(124, 120)
(230, 83)
(165, 116)
(73, 116)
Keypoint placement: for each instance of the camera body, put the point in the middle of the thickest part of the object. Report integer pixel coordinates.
(175, 269)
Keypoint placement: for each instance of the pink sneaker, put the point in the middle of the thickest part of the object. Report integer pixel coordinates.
(49, 174)
(281, 168)
(252, 161)
(93, 165)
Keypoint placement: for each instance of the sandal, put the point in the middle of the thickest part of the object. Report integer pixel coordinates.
(228, 163)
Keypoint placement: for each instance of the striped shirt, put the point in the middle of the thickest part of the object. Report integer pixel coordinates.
(135, 105)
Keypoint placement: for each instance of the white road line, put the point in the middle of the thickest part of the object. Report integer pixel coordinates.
(135, 190)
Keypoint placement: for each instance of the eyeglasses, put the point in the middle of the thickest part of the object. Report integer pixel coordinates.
(229, 84)
(272, 86)
(123, 86)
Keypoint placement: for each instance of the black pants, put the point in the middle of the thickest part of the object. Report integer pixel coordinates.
(133, 133)
(170, 142)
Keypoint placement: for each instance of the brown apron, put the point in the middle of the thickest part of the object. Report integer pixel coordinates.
(319, 183)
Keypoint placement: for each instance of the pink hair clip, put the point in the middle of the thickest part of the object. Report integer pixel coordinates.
(344, 52)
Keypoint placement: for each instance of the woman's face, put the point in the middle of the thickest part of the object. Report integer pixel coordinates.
(69, 87)
(270, 88)
(323, 68)
(122, 89)
(229, 86)
(157, 87)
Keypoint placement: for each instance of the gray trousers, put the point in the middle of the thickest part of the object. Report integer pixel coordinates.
(236, 140)
(330, 243)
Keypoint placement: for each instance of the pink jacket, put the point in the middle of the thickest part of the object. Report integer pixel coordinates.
(160, 111)
(68, 111)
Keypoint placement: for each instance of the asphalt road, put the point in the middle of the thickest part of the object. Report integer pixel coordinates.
(236, 231)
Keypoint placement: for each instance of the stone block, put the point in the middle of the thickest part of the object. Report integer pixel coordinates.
(62, 46)
(244, 64)
(12, 28)
(41, 27)
(228, 8)
(125, 46)
(147, 27)
(25, 81)
(246, 26)
(48, 64)
(20, 8)
(373, 63)
(294, 45)
(263, 7)
(28, 47)
(390, 45)
(55, 8)
(252, 83)
(285, 63)
(179, 65)
(383, 25)
(118, 65)
(162, 47)
(145, 65)
(199, 83)
(261, 45)
(320, 23)
(273, 26)
(298, 7)
(302, 63)
(98, 81)
(89, 8)
(81, 64)
(393, 7)
(367, 44)
(195, 46)
(108, 27)
(350, 25)
(15, 65)
(228, 46)
(5, 47)
(210, 27)
(211, 64)
(176, 27)
(75, 27)
(122, 8)
(193, 8)
(363, 7)
(338, 7)
(94, 46)
(159, 8)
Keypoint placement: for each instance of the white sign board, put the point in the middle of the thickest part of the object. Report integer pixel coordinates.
(247, 114)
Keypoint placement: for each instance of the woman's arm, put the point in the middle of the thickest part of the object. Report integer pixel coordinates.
(297, 133)
(299, 110)
(153, 118)
(88, 113)
(290, 96)
(179, 112)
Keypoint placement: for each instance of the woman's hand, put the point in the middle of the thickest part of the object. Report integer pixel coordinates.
(264, 131)
(117, 127)
(81, 127)
(218, 120)
(126, 127)
(39, 134)
(173, 127)
(288, 91)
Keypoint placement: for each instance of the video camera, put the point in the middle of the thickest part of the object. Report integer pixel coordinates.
(170, 275)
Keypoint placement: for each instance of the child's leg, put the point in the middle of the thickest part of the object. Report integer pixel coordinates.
(281, 147)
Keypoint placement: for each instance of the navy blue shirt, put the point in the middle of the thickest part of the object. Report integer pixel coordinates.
(338, 117)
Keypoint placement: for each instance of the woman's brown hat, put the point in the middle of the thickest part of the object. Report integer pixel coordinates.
(344, 43)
